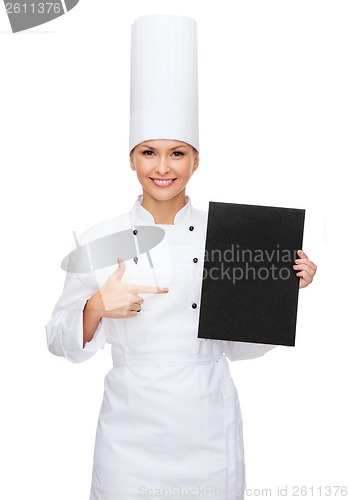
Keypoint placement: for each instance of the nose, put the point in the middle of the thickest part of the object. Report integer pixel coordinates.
(162, 167)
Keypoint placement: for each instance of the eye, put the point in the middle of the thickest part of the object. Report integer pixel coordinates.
(147, 151)
(179, 153)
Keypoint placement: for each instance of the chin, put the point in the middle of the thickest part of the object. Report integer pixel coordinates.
(162, 196)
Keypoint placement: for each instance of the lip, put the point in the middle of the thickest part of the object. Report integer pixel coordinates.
(154, 179)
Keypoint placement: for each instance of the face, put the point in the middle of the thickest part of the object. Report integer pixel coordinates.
(164, 167)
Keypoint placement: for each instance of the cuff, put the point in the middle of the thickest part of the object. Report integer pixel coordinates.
(72, 335)
(236, 351)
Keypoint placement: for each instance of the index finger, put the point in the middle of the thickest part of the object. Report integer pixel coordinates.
(307, 262)
(147, 289)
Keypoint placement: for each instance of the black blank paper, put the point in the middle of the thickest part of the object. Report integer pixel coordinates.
(249, 287)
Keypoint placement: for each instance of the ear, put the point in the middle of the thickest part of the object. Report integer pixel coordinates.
(196, 162)
(131, 162)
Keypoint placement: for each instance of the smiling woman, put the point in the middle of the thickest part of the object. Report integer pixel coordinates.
(170, 419)
(164, 168)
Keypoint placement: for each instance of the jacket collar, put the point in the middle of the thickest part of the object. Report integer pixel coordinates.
(141, 214)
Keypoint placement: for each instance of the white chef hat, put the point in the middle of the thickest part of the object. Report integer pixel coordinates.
(164, 80)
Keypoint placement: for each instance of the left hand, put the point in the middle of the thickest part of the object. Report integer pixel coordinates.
(306, 268)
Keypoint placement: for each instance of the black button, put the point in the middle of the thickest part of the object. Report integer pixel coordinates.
(195, 260)
(135, 231)
(191, 228)
(194, 306)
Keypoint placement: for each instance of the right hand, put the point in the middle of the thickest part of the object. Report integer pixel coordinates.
(119, 300)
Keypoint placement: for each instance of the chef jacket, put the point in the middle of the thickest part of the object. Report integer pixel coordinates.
(167, 321)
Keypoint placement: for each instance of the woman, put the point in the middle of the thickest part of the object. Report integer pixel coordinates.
(170, 421)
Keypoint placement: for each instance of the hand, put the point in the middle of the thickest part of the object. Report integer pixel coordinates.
(119, 300)
(306, 268)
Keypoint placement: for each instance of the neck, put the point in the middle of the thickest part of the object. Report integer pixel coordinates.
(164, 211)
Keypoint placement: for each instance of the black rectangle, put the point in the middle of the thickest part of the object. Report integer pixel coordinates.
(249, 287)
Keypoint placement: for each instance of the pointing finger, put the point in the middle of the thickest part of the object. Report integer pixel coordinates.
(147, 289)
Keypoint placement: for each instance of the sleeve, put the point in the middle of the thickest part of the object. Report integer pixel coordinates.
(64, 331)
(237, 351)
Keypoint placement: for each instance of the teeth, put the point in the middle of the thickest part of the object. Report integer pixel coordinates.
(163, 182)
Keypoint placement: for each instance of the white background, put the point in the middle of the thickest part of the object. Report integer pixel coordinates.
(274, 109)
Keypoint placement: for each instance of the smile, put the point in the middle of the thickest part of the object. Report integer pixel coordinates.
(162, 182)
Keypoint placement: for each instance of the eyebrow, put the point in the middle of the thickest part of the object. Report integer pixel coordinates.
(171, 149)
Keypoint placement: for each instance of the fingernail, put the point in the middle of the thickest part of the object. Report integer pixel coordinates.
(165, 289)
(297, 261)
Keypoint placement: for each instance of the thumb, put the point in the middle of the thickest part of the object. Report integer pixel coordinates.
(120, 271)
(302, 254)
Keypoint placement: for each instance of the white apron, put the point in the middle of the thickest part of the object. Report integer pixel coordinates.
(170, 423)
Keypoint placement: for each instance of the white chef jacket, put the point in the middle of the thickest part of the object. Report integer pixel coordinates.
(170, 413)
